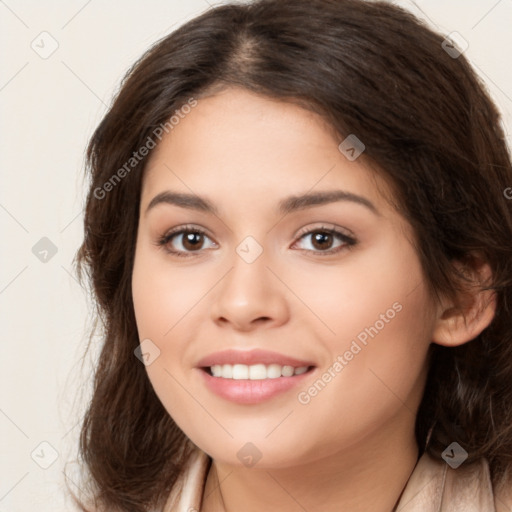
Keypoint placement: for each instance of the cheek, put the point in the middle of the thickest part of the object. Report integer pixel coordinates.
(380, 314)
(372, 293)
(385, 310)
(163, 296)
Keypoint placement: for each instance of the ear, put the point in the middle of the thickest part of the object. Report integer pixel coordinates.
(475, 309)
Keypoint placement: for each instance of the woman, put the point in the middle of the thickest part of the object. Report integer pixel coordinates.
(299, 240)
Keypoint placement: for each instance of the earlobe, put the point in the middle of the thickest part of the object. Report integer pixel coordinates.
(458, 324)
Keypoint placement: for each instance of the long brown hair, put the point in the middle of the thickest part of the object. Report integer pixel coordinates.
(430, 128)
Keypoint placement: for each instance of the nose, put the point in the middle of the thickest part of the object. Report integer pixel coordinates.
(250, 296)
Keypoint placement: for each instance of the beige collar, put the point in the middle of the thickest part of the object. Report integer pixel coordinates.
(432, 487)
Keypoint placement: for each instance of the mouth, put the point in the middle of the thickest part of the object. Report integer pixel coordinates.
(252, 376)
(254, 384)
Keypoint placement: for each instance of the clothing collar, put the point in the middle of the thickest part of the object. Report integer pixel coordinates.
(432, 487)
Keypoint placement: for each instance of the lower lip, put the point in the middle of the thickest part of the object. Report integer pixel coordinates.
(245, 391)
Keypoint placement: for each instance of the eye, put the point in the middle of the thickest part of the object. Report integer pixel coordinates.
(183, 241)
(187, 239)
(323, 240)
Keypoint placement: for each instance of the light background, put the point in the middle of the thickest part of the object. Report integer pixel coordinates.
(49, 109)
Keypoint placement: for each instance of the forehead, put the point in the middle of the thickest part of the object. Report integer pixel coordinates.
(237, 142)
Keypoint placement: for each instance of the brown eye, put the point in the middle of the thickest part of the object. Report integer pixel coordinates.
(192, 241)
(323, 241)
(184, 241)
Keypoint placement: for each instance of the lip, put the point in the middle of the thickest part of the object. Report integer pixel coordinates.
(250, 357)
(247, 391)
(250, 392)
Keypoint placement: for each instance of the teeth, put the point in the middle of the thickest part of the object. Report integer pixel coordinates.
(255, 371)
(301, 370)
(227, 371)
(240, 371)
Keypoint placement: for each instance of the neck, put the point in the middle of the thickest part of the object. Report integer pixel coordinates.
(369, 475)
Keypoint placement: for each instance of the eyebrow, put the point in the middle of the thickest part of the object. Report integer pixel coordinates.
(286, 206)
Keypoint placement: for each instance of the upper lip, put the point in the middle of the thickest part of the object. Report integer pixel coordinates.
(251, 357)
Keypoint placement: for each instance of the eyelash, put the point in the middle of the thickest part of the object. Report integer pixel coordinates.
(164, 240)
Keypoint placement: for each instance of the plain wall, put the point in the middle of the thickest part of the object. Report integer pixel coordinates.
(49, 109)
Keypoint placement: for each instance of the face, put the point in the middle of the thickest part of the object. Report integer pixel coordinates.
(312, 314)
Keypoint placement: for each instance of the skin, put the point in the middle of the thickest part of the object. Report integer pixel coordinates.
(352, 447)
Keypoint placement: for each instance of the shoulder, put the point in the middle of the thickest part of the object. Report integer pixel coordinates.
(436, 485)
(503, 495)
(187, 493)
(474, 481)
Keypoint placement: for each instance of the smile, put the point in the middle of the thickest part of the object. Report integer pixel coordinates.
(249, 385)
